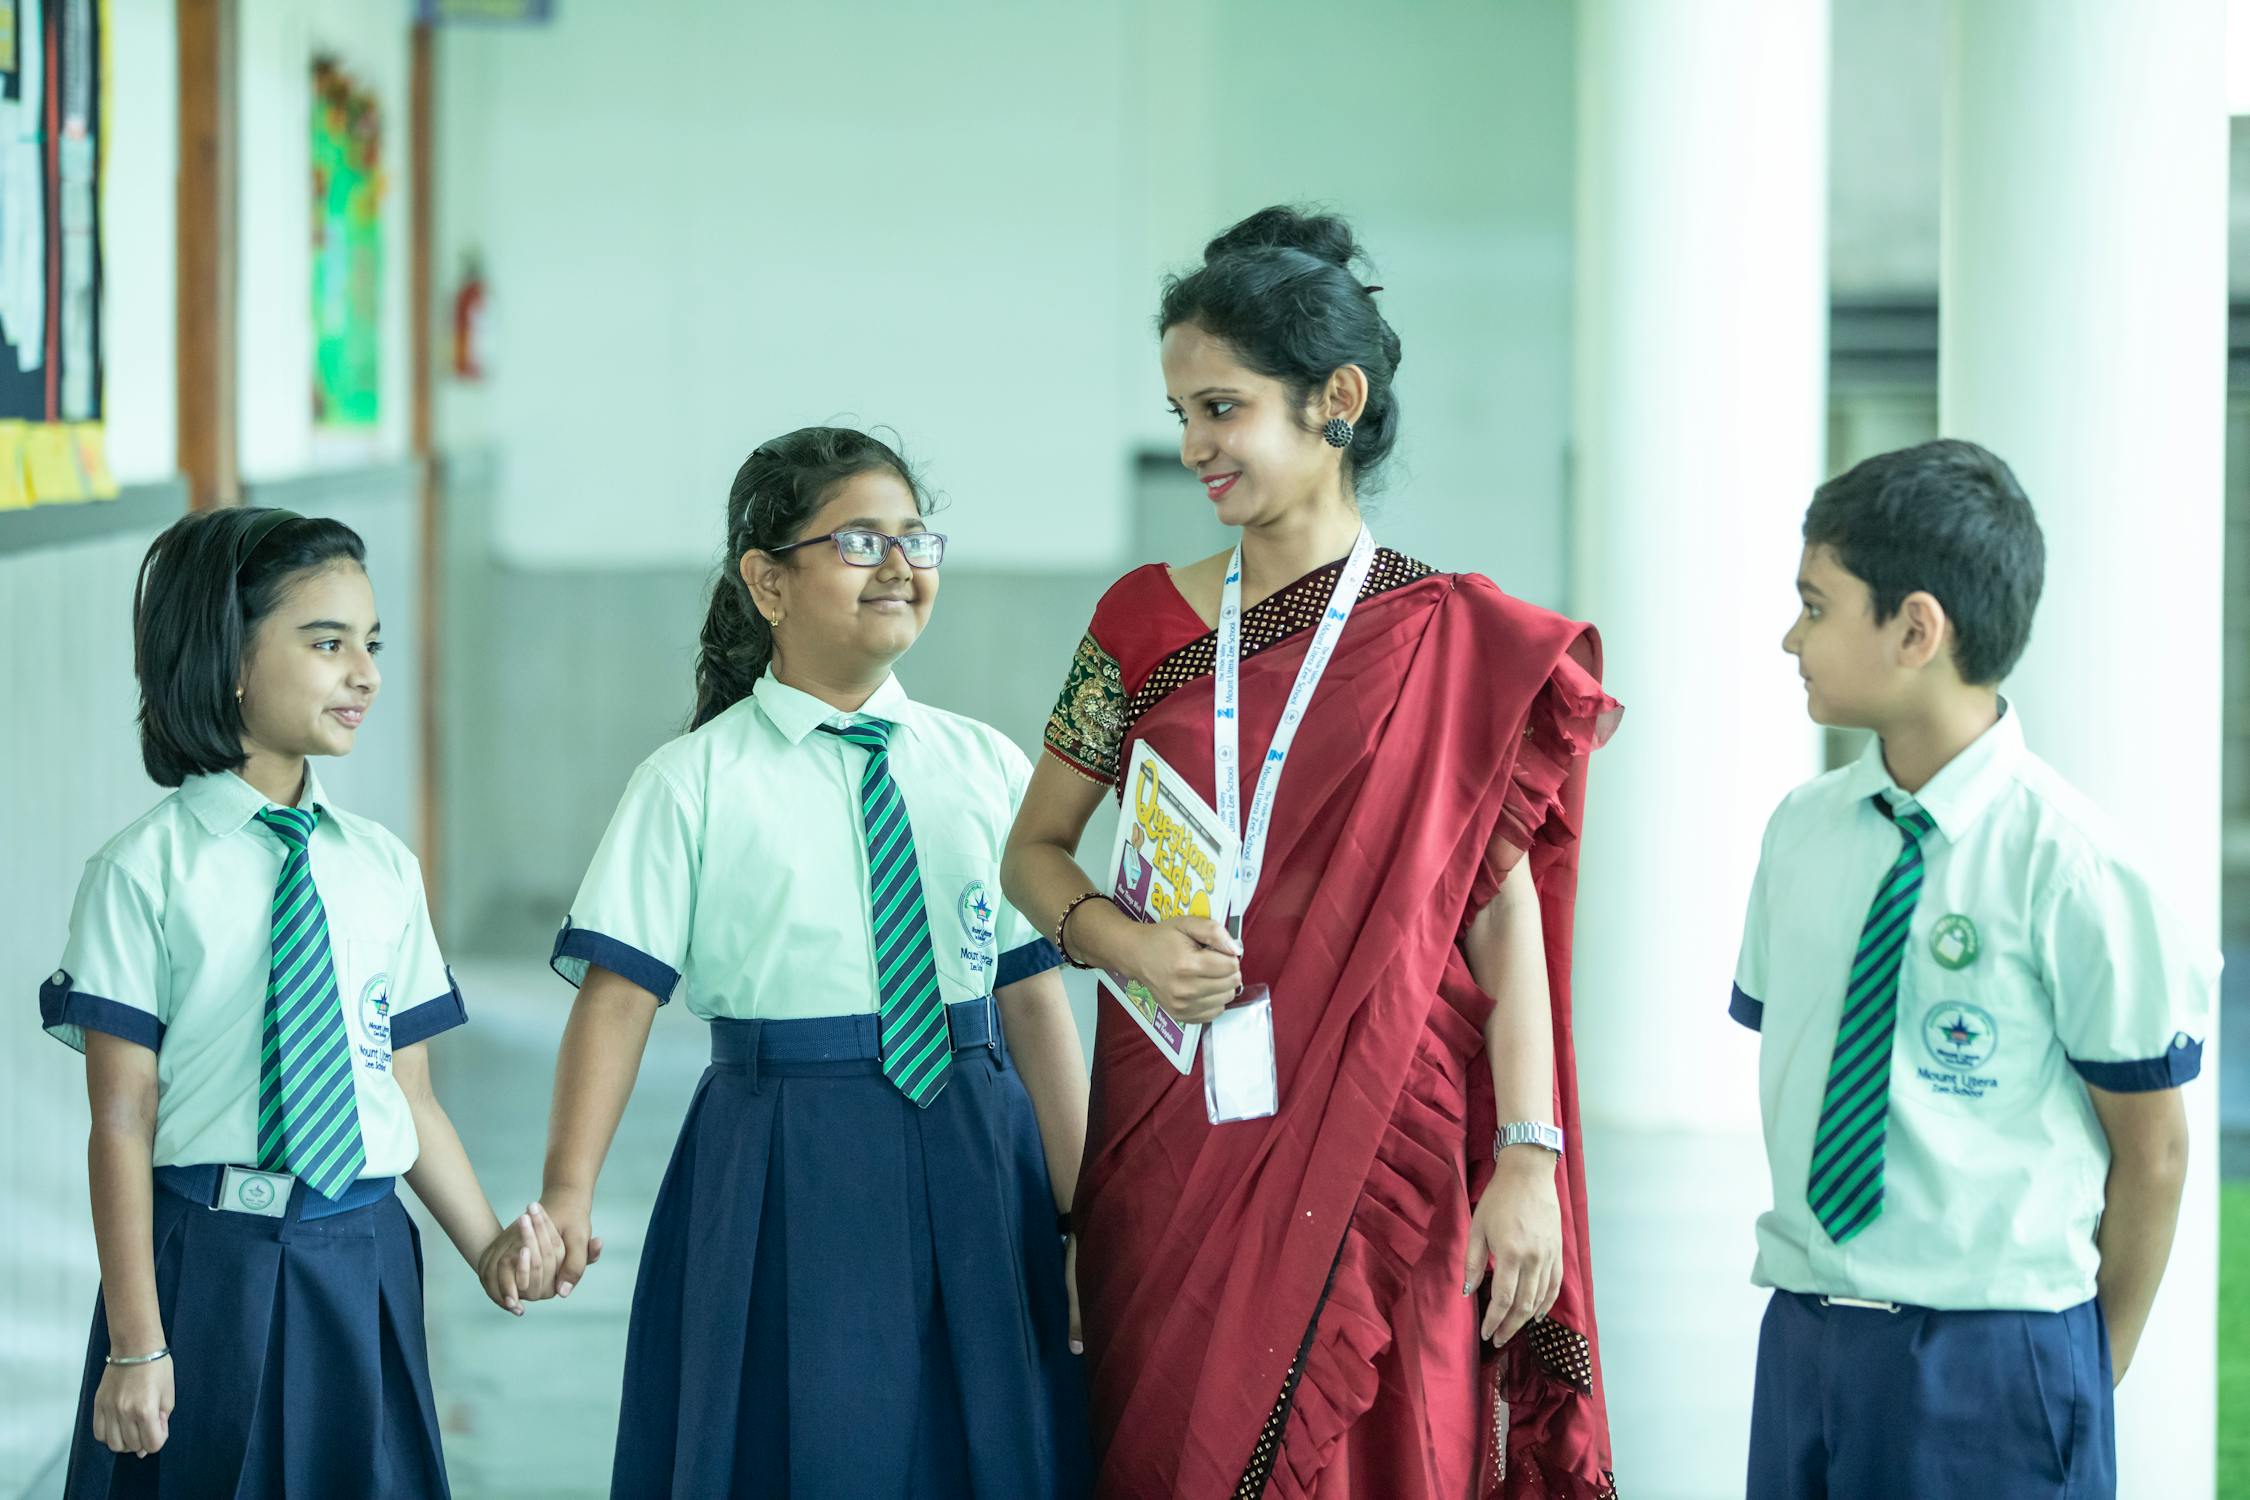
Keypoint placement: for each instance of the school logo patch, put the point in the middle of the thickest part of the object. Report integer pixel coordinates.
(375, 1009)
(1960, 1036)
(1954, 941)
(979, 923)
(976, 913)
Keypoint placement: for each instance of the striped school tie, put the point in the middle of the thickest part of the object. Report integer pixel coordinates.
(917, 1043)
(308, 1111)
(1846, 1183)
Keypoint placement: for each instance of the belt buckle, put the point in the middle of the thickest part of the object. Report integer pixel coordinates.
(1889, 1307)
(991, 1023)
(243, 1190)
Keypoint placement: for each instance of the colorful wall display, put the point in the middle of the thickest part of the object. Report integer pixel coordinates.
(348, 188)
(53, 110)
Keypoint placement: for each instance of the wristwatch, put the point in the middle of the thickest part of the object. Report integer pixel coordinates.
(1528, 1133)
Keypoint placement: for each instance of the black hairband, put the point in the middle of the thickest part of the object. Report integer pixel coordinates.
(254, 535)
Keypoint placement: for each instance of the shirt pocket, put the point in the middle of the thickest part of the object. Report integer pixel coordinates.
(964, 914)
(1979, 1039)
(365, 977)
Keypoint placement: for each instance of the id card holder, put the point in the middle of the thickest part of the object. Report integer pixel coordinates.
(1239, 1078)
(265, 1194)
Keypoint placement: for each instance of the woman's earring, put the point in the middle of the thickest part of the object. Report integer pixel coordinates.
(1338, 433)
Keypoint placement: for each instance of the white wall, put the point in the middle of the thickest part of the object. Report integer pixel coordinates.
(954, 222)
(278, 40)
(139, 226)
(1446, 132)
(863, 211)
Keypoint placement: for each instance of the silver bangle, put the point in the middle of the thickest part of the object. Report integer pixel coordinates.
(137, 1359)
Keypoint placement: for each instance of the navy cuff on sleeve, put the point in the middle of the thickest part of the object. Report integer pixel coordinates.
(1751, 1013)
(580, 946)
(418, 1023)
(2149, 1074)
(61, 1005)
(1032, 959)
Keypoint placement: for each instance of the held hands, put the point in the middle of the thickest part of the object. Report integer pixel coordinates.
(519, 1265)
(1190, 965)
(573, 1217)
(1517, 1231)
(133, 1408)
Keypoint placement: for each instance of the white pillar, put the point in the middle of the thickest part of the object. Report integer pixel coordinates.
(2082, 338)
(1701, 419)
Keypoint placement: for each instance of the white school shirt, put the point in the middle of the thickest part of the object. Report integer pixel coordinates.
(735, 869)
(2038, 960)
(171, 943)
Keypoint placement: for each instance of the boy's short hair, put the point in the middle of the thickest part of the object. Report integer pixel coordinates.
(1946, 518)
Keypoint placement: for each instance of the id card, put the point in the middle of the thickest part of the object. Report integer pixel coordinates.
(1239, 1080)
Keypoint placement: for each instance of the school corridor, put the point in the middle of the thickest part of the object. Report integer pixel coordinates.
(513, 287)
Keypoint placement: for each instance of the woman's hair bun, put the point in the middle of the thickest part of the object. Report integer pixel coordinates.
(1324, 236)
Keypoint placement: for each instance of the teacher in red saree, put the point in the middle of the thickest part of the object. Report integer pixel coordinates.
(1382, 1288)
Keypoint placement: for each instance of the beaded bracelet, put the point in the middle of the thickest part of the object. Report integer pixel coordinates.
(1062, 925)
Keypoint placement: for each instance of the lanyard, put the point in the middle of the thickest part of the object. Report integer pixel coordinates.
(1226, 723)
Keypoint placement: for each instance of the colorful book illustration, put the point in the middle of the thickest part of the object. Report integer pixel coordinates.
(1173, 858)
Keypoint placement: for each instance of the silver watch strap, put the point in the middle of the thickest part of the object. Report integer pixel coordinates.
(1528, 1133)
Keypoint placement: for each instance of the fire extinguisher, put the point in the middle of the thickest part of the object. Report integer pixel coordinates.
(469, 321)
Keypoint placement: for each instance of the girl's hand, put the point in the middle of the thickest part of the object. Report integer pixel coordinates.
(1517, 1231)
(571, 1214)
(547, 1262)
(509, 1265)
(133, 1408)
(1190, 965)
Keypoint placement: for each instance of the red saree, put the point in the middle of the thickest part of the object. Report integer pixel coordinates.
(1284, 1295)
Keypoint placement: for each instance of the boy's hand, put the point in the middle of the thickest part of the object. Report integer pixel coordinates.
(133, 1408)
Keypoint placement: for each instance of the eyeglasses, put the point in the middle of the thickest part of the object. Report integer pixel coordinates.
(866, 549)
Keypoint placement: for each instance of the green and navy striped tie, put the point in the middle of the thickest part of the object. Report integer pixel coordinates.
(308, 1111)
(1845, 1187)
(917, 1043)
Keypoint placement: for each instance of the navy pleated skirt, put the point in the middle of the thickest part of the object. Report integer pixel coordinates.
(299, 1365)
(844, 1297)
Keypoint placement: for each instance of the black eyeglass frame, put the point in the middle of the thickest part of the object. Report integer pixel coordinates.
(888, 540)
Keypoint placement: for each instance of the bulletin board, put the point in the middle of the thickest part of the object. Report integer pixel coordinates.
(348, 188)
(54, 97)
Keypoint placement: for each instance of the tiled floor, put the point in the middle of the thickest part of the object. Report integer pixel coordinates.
(529, 1406)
